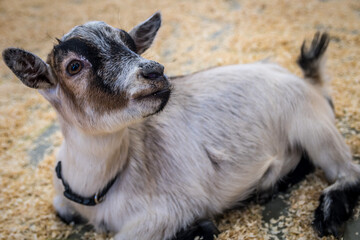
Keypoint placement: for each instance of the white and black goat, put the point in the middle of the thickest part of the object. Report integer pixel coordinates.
(150, 157)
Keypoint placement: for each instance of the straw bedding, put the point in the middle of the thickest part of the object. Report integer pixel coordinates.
(195, 35)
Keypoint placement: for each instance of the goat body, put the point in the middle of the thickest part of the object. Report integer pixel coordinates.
(184, 148)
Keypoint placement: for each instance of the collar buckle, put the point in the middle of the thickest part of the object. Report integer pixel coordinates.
(98, 199)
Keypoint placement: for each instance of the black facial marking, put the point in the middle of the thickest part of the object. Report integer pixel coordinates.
(334, 209)
(203, 229)
(119, 52)
(83, 48)
(91, 53)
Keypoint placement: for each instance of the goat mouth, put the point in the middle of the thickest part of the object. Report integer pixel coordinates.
(161, 94)
(165, 95)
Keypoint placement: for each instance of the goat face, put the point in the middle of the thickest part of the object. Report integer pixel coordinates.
(96, 78)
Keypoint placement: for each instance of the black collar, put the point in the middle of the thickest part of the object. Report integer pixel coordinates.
(88, 201)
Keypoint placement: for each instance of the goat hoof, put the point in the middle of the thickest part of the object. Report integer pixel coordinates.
(202, 229)
(331, 214)
(68, 219)
(267, 196)
(325, 229)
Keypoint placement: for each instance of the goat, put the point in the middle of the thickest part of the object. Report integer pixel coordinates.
(148, 156)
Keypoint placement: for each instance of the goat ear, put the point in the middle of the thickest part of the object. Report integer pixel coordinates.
(144, 33)
(29, 68)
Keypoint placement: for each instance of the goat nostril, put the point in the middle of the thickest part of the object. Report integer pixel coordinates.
(152, 75)
(152, 70)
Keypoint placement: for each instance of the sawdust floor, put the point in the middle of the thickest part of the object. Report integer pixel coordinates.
(195, 35)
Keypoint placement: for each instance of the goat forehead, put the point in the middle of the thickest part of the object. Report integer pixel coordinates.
(102, 36)
(91, 31)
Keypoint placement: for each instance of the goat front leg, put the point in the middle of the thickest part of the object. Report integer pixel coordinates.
(203, 229)
(328, 150)
(63, 209)
(65, 212)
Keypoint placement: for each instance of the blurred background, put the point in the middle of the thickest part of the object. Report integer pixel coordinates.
(195, 35)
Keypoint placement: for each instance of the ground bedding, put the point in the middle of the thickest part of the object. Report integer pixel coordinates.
(195, 35)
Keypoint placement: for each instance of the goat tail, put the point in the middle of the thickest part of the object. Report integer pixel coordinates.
(312, 60)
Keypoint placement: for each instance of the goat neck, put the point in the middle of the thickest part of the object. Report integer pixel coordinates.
(90, 161)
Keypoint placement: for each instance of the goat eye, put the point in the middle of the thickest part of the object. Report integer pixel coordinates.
(74, 67)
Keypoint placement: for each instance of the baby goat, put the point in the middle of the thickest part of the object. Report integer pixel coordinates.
(149, 157)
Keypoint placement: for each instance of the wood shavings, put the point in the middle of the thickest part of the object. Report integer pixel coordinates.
(195, 35)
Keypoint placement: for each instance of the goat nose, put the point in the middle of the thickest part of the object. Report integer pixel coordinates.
(152, 70)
